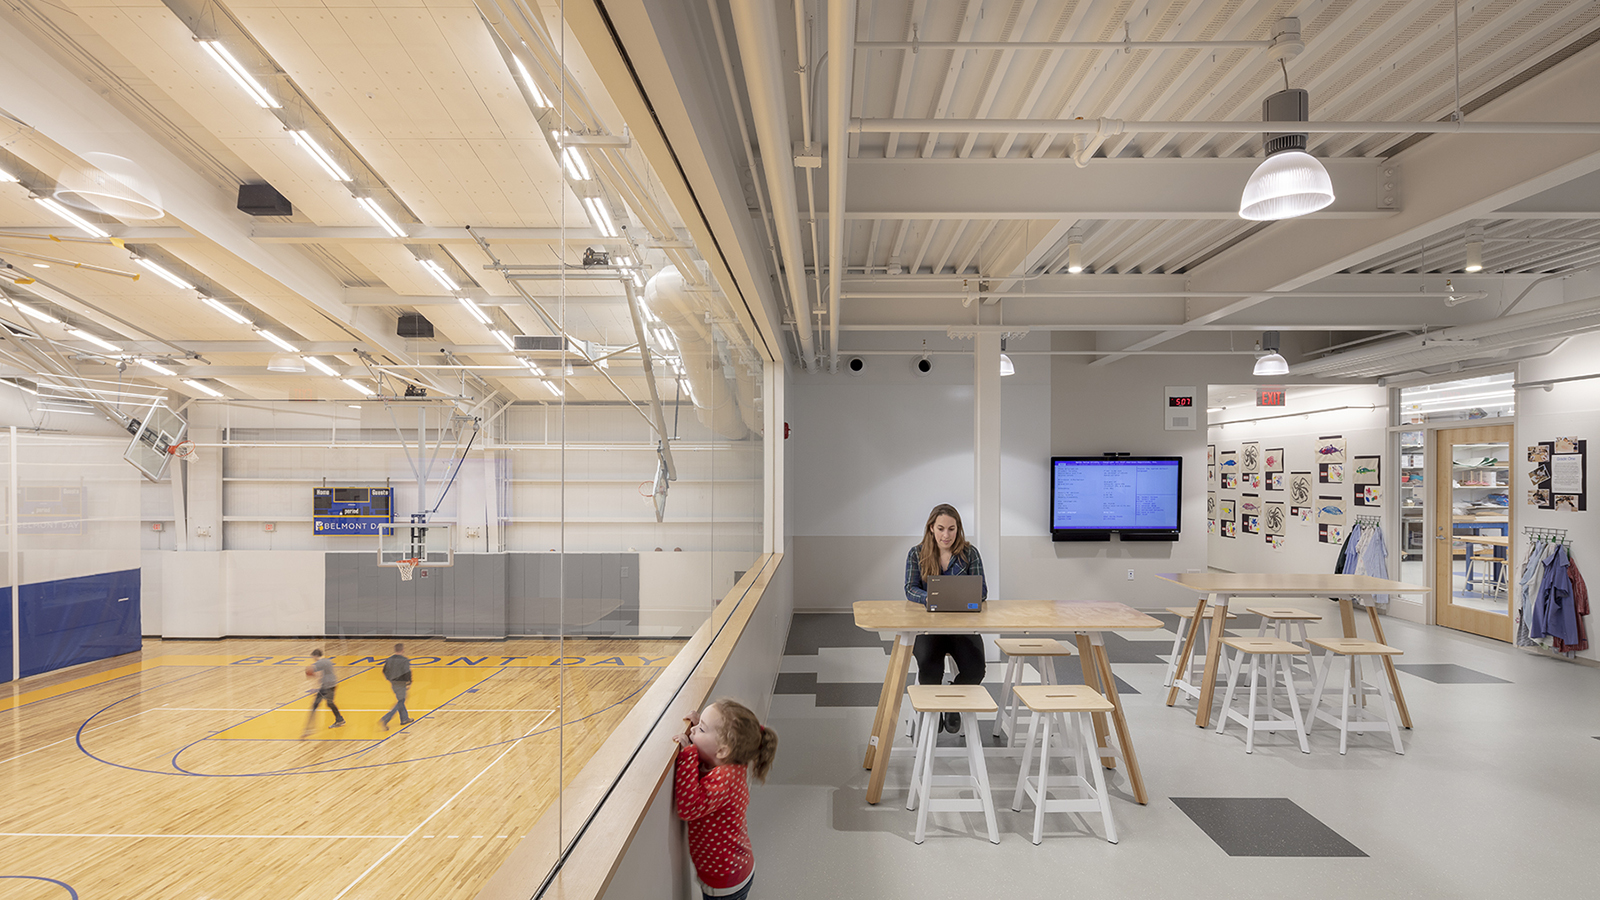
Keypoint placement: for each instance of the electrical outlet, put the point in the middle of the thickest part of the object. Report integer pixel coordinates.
(1130, 574)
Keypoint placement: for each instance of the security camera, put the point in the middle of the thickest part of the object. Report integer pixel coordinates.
(855, 365)
(922, 365)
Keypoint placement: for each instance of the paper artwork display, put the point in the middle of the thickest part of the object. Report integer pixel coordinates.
(1229, 529)
(1540, 498)
(1250, 505)
(1567, 445)
(1559, 478)
(1330, 449)
(1567, 502)
(1330, 534)
(1274, 481)
(1538, 453)
(1225, 509)
(1301, 514)
(1228, 461)
(1211, 454)
(1255, 481)
(1274, 460)
(1250, 457)
(1369, 495)
(1566, 473)
(1275, 541)
(1211, 477)
(1230, 481)
(1211, 506)
(1252, 524)
(1300, 488)
(1211, 526)
(1277, 518)
(1367, 470)
(1330, 510)
(1330, 473)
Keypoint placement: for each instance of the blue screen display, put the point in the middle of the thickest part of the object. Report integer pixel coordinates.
(1116, 494)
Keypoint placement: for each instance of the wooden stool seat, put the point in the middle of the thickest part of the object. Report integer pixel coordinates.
(1032, 647)
(1184, 612)
(1356, 647)
(930, 701)
(1061, 698)
(1283, 612)
(1063, 711)
(1265, 646)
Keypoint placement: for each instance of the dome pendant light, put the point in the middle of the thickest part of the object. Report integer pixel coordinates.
(1006, 367)
(1289, 182)
(1272, 363)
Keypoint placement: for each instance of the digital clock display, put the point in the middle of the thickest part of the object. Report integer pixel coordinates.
(1269, 396)
(1180, 401)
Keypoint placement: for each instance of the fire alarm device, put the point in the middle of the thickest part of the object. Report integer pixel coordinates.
(155, 526)
(269, 526)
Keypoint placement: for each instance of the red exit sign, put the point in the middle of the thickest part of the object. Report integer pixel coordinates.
(1269, 396)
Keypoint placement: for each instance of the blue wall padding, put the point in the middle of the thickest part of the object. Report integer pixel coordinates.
(5, 634)
(79, 620)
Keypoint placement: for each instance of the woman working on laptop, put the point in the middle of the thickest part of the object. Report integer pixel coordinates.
(944, 551)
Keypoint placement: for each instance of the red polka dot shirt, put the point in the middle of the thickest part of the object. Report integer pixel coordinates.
(713, 803)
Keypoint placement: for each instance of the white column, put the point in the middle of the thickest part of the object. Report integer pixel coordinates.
(984, 529)
(15, 558)
(772, 404)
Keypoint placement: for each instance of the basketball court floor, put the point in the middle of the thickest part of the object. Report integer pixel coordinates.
(185, 772)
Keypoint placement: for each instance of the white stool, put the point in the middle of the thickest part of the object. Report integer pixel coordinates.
(930, 701)
(1043, 651)
(1283, 618)
(1278, 654)
(1180, 670)
(1067, 707)
(1357, 688)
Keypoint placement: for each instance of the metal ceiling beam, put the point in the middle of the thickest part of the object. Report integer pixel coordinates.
(426, 234)
(387, 297)
(1106, 189)
(1121, 126)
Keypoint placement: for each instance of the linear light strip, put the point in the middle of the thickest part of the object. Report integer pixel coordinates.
(202, 388)
(150, 364)
(473, 308)
(360, 387)
(376, 211)
(502, 338)
(539, 99)
(576, 167)
(321, 366)
(7, 176)
(439, 274)
(164, 274)
(316, 152)
(225, 309)
(99, 342)
(287, 347)
(241, 77)
(32, 313)
(601, 217)
(81, 223)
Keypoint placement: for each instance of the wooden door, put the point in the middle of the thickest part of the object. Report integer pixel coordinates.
(1474, 582)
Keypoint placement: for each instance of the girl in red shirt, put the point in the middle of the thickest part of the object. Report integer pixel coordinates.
(720, 748)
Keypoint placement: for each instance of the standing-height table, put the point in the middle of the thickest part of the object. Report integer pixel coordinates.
(1086, 620)
(1217, 588)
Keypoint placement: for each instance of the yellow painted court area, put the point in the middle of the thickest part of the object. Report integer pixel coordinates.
(363, 698)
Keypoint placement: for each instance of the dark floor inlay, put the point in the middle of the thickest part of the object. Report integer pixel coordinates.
(1449, 673)
(1264, 826)
(830, 693)
(810, 631)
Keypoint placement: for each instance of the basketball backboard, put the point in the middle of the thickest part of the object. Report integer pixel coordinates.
(157, 430)
(429, 543)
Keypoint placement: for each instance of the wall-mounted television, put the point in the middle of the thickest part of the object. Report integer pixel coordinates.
(1137, 498)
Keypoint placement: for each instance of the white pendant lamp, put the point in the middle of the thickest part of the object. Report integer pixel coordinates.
(1290, 182)
(1272, 363)
(1006, 367)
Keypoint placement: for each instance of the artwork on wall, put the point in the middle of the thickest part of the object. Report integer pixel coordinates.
(1273, 462)
(1366, 471)
(1369, 495)
(1211, 454)
(1330, 519)
(1277, 518)
(1211, 477)
(1250, 457)
(1228, 528)
(1330, 534)
(1560, 474)
(1228, 461)
(1330, 473)
(1211, 505)
(1230, 481)
(1252, 524)
(1255, 481)
(1275, 481)
(1300, 488)
(1330, 449)
(1301, 514)
(1275, 541)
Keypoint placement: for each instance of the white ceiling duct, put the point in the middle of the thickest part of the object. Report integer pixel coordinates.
(1462, 342)
(717, 402)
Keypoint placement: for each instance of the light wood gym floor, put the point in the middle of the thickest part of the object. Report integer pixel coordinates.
(180, 772)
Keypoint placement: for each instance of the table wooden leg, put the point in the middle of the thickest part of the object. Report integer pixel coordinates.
(883, 705)
(1188, 649)
(1091, 680)
(1124, 737)
(1388, 666)
(1208, 687)
(894, 689)
(1347, 617)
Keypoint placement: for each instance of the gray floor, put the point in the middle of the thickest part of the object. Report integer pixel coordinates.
(1494, 797)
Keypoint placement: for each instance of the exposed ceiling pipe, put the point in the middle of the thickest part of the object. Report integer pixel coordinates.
(1113, 127)
(1461, 342)
(841, 37)
(756, 28)
(803, 71)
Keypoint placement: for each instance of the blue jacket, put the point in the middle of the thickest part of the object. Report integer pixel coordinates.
(917, 589)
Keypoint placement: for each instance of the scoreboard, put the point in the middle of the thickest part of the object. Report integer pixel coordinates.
(350, 510)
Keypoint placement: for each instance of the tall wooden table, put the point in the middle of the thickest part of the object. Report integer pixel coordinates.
(1217, 588)
(1085, 620)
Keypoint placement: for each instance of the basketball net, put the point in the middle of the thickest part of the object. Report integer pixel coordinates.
(407, 568)
(184, 450)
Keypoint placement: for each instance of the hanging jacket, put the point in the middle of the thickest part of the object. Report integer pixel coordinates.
(1532, 577)
(1347, 552)
(1552, 615)
(1580, 608)
(1372, 558)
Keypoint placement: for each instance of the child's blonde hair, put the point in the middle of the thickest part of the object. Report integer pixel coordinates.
(748, 741)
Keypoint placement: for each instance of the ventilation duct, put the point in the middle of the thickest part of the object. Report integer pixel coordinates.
(726, 406)
(1462, 342)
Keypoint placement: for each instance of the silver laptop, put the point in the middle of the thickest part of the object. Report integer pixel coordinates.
(955, 593)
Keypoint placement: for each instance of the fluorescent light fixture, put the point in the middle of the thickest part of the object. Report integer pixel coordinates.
(41, 265)
(376, 211)
(1271, 364)
(284, 362)
(600, 216)
(321, 366)
(225, 309)
(84, 335)
(533, 367)
(577, 169)
(638, 280)
(502, 337)
(288, 347)
(438, 273)
(7, 176)
(78, 221)
(74, 410)
(551, 385)
(623, 260)
(202, 388)
(165, 275)
(665, 339)
(316, 152)
(539, 99)
(360, 387)
(32, 313)
(154, 367)
(244, 79)
(473, 308)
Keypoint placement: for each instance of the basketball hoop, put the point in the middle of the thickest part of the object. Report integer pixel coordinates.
(184, 450)
(407, 568)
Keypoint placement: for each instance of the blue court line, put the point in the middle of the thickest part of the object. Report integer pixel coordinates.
(372, 744)
(61, 884)
(85, 750)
